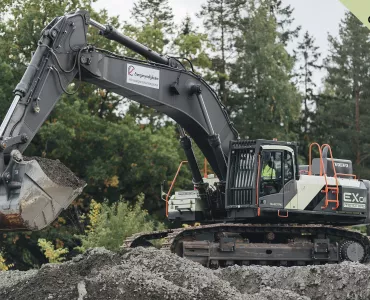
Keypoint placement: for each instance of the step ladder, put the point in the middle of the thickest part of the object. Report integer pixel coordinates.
(327, 189)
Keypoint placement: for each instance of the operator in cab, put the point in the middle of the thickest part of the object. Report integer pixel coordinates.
(268, 171)
(268, 175)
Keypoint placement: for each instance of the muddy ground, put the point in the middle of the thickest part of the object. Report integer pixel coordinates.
(147, 273)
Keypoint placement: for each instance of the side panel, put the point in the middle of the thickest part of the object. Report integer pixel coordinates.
(307, 188)
(310, 196)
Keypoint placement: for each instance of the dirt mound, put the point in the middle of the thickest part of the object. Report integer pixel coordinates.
(155, 274)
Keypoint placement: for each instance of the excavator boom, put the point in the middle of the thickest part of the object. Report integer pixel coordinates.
(29, 199)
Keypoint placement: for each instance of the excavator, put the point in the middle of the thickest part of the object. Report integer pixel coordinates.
(260, 207)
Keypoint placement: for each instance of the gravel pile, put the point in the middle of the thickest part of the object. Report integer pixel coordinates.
(57, 172)
(147, 273)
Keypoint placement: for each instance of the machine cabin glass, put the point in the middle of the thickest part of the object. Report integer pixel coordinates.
(277, 168)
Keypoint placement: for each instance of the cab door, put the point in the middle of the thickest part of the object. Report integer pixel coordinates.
(271, 180)
(277, 177)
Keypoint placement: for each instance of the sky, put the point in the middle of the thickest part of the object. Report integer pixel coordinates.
(318, 17)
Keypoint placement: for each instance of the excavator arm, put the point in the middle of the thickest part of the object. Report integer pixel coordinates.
(28, 197)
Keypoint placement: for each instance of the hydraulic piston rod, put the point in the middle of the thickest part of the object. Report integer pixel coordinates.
(111, 33)
(186, 145)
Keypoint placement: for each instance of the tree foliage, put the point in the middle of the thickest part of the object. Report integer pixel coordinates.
(343, 109)
(308, 56)
(192, 45)
(112, 224)
(53, 255)
(265, 101)
(220, 18)
(155, 13)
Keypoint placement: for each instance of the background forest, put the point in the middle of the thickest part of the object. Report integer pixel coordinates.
(124, 150)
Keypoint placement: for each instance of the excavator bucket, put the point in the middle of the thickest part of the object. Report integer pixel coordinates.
(35, 193)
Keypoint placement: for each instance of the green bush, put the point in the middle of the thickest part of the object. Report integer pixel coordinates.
(110, 225)
(53, 255)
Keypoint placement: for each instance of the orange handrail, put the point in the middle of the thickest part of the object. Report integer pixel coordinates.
(349, 175)
(173, 184)
(331, 156)
(336, 201)
(310, 159)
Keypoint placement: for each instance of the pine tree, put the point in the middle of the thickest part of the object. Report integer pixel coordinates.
(284, 19)
(308, 56)
(192, 45)
(344, 108)
(153, 22)
(265, 102)
(154, 12)
(220, 18)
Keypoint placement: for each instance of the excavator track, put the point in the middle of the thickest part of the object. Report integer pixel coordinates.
(313, 244)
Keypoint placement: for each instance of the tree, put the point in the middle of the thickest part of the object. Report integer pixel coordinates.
(284, 20)
(220, 19)
(343, 109)
(265, 101)
(192, 45)
(154, 12)
(307, 54)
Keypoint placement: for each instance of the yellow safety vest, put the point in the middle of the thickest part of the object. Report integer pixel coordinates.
(268, 173)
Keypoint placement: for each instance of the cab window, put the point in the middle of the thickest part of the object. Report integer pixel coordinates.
(271, 172)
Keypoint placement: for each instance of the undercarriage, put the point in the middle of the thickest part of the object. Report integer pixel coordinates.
(221, 245)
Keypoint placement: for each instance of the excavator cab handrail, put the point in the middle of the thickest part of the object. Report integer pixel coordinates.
(173, 184)
(336, 189)
(310, 159)
(331, 157)
(323, 173)
(354, 176)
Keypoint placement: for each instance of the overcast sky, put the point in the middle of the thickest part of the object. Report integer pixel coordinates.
(319, 17)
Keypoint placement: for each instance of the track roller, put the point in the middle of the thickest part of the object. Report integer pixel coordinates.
(352, 251)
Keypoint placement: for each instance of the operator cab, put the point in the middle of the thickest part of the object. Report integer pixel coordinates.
(262, 173)
(265, 180)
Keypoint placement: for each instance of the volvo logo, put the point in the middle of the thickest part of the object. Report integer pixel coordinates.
(341, 165)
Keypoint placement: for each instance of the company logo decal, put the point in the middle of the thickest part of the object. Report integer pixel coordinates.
(354, 200)
(143, 76)
(341, 165)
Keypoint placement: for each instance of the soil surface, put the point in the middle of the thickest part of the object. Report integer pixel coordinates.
(57, 172)
(148, 273)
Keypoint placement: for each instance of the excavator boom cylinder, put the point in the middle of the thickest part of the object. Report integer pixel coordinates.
(113, 34)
